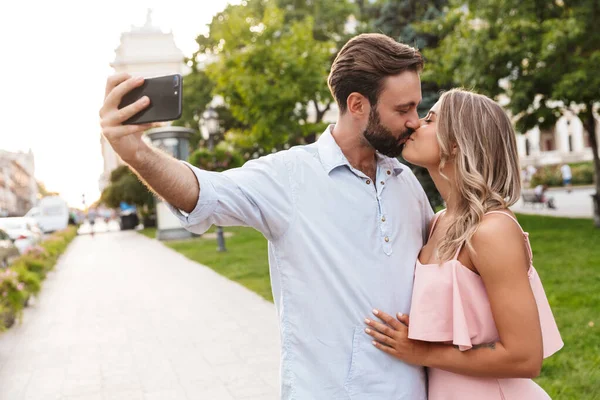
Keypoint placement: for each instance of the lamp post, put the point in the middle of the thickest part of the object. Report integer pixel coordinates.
(209, 127)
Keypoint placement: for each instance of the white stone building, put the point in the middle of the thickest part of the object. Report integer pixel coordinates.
(144, 51)
(18, 186)
(567, 142)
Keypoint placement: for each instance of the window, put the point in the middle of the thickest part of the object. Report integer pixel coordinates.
(570, 143)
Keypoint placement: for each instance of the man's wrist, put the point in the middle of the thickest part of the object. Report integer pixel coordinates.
(141, 157)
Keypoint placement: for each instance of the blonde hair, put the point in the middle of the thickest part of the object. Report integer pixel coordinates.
(486, 162)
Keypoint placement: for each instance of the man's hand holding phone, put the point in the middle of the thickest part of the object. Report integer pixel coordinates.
(126, 140)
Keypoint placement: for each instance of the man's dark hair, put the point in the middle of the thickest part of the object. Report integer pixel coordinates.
(363, 64)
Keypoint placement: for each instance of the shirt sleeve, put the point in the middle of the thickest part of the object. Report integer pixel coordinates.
(257, 195)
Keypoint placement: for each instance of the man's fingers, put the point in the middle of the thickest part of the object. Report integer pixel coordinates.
(115, 80)
(114, 97)
(122, 115)
(388, 319)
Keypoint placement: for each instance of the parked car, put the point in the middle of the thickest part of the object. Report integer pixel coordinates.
(8, 250)
(22, 232)
(52, 214)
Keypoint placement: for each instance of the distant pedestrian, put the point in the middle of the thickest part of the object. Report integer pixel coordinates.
(567, 177)
(92, 215)
(540, 193)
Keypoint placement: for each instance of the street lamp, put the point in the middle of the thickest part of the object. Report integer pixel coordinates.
(209, 127)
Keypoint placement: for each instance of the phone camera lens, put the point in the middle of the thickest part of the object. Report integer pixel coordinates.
(175, 81)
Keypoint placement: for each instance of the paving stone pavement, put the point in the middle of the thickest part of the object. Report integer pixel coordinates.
(125, 317)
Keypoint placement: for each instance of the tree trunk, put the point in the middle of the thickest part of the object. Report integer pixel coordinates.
(590, 126)
(310, 138)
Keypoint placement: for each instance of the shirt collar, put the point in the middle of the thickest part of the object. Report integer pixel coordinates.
(332, 156)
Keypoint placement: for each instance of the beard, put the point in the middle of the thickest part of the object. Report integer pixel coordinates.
(382, 139)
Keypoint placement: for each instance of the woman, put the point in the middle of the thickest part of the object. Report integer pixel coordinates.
(480, 319)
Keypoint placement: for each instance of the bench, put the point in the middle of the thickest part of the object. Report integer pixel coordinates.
(531, 198)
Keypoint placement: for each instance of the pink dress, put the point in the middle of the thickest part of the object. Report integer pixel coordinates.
(450, 305)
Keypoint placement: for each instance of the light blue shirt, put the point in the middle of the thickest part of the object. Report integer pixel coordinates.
(339, 246)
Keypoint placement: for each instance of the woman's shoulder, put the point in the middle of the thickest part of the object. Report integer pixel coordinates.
(497, 227)
(498, 232)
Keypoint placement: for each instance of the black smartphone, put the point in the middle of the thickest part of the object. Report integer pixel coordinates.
(165, 94)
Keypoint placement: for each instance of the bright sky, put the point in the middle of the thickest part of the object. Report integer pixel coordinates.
(55, 58)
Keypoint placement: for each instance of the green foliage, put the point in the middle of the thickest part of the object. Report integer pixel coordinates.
(583, 174)
(23, 278)
(223, 157)
(126, 186)
(330, 16)
(269, 72)
(197, 93)
(543, 55)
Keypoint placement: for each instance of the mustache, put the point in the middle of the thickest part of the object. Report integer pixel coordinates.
(406, 135)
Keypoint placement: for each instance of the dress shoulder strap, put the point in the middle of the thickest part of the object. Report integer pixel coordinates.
(525, 234)
(435, 220)
(508, 215)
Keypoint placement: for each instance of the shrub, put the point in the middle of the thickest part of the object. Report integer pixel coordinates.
(222, 158)
(583, 174)
(24, 277)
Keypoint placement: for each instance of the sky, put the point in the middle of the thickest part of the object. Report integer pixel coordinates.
(54, 61)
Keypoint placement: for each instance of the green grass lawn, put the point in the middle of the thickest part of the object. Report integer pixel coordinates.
(566, 255)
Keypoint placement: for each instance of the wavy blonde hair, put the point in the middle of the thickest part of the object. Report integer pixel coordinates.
(486, 162)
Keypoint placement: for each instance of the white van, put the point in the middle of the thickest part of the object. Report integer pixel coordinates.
(52, 214)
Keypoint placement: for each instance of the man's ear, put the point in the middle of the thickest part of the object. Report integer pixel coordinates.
(358, 105)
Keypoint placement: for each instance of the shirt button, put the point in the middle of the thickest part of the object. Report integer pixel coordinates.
(389, 172)
(382, 219)
(382, 182)
(368, 181)
(387, 239)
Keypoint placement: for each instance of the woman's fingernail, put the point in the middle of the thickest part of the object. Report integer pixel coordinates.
(367, 320)
(367, 330)
(374, 343)
(400, 315)
(139, 79)
(375, 312)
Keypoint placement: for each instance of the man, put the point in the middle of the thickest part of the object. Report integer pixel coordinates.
(565, 170)
(345, 221)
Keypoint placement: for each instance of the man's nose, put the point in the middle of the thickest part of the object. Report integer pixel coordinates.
(413, 122)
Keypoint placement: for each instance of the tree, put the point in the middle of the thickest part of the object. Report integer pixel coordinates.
(197, 93)
(222, 158)
(269, 73)
(544, 56)
(126, 187)
(43, 192)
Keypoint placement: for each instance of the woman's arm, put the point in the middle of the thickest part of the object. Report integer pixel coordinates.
(501, 259)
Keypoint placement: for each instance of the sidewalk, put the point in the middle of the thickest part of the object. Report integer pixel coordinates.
(124, 317)
(577, 204)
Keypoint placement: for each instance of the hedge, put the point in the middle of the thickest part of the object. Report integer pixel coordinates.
(583, 174)
(23, 278)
